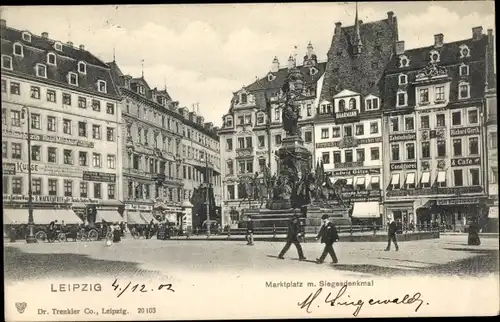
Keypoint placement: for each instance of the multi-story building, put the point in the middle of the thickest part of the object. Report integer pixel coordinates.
(252, 129)
(74, 122)
(348, 125)
(433, 123)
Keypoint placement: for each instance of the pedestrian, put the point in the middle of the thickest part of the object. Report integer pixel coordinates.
(250, 231)
(473, 237)
(391, 234)
(293, 238)
(116, 233)
(12, 233)
(328, 235)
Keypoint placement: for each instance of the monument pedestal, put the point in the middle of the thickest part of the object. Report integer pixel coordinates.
(293, 152)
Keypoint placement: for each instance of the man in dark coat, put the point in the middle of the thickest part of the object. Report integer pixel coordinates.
(391, 235)
(473, 238)
(250, 231)
(293, 238)
(328, 234)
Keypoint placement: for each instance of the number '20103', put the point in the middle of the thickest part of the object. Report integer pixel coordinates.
(146, 310)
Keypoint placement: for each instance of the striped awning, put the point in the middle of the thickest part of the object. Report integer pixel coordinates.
(426, 177)
(147, 216)
(441, 177)
(134, 218)
(40, 216)
(108, 215)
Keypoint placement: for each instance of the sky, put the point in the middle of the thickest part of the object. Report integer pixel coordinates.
(204, 53)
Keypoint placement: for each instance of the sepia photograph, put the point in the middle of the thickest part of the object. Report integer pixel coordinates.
(249, 161)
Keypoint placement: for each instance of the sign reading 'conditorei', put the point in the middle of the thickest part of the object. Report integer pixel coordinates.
(403, 166)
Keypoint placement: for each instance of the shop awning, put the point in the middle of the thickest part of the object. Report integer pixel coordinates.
(332, 180)
(41, 216)
(493, 212)
(134, 218)
(426, 177)
(108, 215)
(441, 177)
(369, 209)
(147, 216)
(348, 182)
(395, 179)
(410, 178)
(374, 180)
(360, 181)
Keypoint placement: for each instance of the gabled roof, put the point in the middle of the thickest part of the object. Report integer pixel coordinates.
(345, 93)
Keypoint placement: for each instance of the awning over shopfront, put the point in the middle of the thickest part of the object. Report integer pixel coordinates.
(360, 181)
(410, 178)
(395, 179)
(369, 209)
(374, 180)
(493, 212)
(426, 177)
(349, 182)
(332, 180)
(441, 177)
(134, 218)
(108, 215)
(40, 216)
(147, 216)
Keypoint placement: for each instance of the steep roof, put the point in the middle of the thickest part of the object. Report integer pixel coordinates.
(36, 50)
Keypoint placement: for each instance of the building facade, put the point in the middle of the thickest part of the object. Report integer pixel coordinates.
(434, 132)
(74, 121)
(252, 129)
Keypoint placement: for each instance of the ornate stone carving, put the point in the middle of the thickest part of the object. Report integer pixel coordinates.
(441, 164)
(431, 71)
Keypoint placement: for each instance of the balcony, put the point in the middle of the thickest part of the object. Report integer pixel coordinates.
(244, 152)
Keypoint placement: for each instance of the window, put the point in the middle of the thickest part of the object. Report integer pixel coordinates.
(15, 88)
(110, 134)
(473, 146)
(336, 157)
(403, 79)
(277, 139)
(41, 70)
(51, 59)
(360, 155)
(51, 96)
(52, 187)
(52, 155)
(111, 161)
(326, 157)
(371, 104)
(424, 122)
(229, 166)
(463, 90)
(96, 160)
(249, 142)
(347, 130)
(260, 118)
(4, 149)
(229, 144)
(96, 132)
(375, 153)
(73, 78)
(17, 186)
(18, 50)
(262, 141)
(309, 110)
(35, 121)
(458, 177)
(51, 124)
(276, 114)
(82, 102)
(401, 99)
(97, 190)
(464, 70)
(336, 132)
(474, 177)
(249, 166)
(68, 156)
(348, 155)
(308, 136)
(96, 105)
(36, 186)
(58, 46)
(456, 118)
(395, 152)
(424, 95)
(472, 115)
(4, 86)
(82, 67)
(440, 120)
(464, 51)
(440, 94)
(67, 126)
(360, 129)
(111, 191)
(101, 86)
(493, 140)
(66, 98)
(395, 124)
(494, 175)
(84, 189)
(441, 148)
(15, 118)
(410, 151)
(434, 56)
(426, 150)
(352, 104)
(82, 129)
(110, 108)
(457, 147)
(16, 150)
(6, 62)
(36, 153)
(229, 122)
(325, 133)
(341, 106)
(248, 119)
(68, 188)
(35, 92)
(409, 124)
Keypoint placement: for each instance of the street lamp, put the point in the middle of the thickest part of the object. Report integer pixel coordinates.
(207, 198)
(30, 238)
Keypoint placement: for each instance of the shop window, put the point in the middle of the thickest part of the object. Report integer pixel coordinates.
(375, 183)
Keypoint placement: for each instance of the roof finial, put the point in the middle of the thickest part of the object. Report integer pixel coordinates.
(114, 54)
(357, 34)
(165, 83)
(142, 68)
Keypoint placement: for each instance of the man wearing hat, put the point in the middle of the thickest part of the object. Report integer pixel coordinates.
(328, 234)
(250, 231)
(293, 238)
(391, 234)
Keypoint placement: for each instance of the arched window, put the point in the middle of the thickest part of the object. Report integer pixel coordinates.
(352, 103)
(341, 106)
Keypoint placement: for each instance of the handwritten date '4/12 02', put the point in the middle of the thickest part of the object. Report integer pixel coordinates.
(139, 288)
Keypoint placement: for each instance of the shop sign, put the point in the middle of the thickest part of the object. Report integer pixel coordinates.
(434, 191)
(56, 170)
(450, 202)
(8, 168)
(348, 165)
(338, 143)
(346, 114)
(98, 176)
(48, 138)
(460, 162)
(355, 172)
(138, 207)
(402, 137)
(472, 130)
(403, 166)
(50, 199)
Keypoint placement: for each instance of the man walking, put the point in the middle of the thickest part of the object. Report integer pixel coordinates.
(293, 238)
(391, 234)
(328, 234)
(250, 231)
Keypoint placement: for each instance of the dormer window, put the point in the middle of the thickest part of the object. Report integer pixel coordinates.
(58, 46)
(260, 118)
(371, 104)
(271, 77)
(6, 62)
(41, 70)
(142, 90)
(464, 51)
(18, 50)
(434, 56)
(463, 90)
(73, 78)
(352, 103)
(403, 79)
(464, 70)
(341, 106)
(51, 59)
(229, 122)
(101, 86)
(313, 71)
(82, 67)
(243, 98)
(404, 61)
(26, 36)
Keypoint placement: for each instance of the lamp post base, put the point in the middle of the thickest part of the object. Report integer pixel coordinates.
(30, 238)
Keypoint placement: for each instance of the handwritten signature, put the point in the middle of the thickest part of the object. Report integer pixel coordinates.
(337, 301)
(142, 288)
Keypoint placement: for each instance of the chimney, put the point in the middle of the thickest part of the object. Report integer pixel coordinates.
(69, 43)
(3, 23)
(275, 66)
(438, 40)
(400, 47)
(390, 16)
(490, 36)
(338, 27)
(477, 32)
(82, 47)
(45, 35)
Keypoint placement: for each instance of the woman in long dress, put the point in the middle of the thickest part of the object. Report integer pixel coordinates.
(474, 234)
(116, 234)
